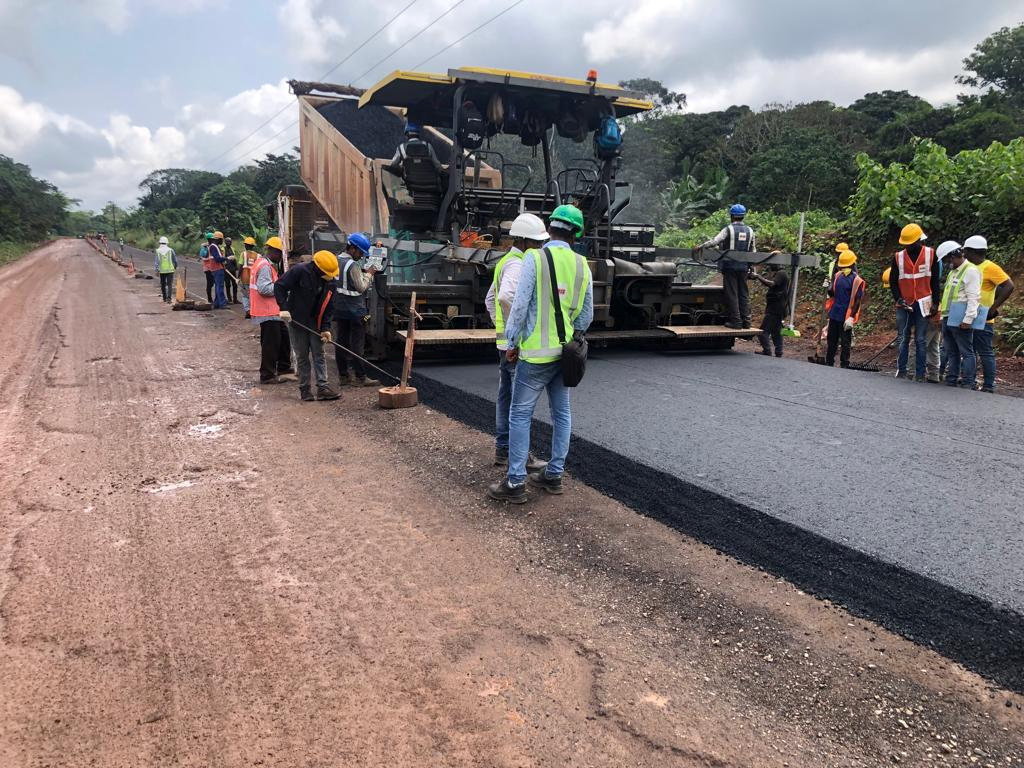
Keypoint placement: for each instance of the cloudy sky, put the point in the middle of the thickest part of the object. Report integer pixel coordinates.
(94, 94)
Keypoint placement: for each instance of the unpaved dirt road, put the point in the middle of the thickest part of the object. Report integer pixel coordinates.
(197, 572)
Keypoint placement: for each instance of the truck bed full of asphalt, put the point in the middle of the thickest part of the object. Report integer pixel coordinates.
(899, 500)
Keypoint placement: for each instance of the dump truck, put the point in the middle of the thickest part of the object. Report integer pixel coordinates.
(443, 229)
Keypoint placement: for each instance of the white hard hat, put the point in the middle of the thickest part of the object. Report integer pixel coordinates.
(977, 242)
(163, 241)
(947, 248)
(529, 226)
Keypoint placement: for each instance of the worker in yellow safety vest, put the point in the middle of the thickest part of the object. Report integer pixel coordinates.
(528, 233)
(165, 264)
(554, 279)
(245, 263)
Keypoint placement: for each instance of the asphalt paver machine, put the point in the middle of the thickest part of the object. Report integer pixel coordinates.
(443, 225)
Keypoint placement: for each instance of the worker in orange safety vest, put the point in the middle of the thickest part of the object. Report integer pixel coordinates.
(916, 291)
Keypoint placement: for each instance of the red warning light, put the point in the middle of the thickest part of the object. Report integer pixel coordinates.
(592, 76)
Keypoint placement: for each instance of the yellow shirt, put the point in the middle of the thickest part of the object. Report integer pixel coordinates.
(991, 276)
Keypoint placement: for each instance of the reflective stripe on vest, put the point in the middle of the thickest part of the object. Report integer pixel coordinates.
(260, 305)
(542, 345)
(858, 285)
(951, 292)
(915, 276)
(739, 237)
(344, 290)
(499, 316)
(166, 256)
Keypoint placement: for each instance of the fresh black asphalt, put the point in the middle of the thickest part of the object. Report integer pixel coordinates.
(899, 500)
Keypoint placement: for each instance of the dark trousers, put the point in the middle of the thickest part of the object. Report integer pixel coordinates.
(737, 295)
(962, 367)
(209, 286)
(166, 285)
(986, 355)
(771, 328)
(838, 336)
(275, 349)
(350, 332)
(230, 285)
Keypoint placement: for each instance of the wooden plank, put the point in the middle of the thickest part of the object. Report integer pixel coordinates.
(452, 336)
(709, 331)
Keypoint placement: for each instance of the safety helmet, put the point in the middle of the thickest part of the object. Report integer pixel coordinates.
(842, 247)
(847, 259)
(360, 241)
(275, 242)
(976, 243)
(327, 263)
(568, 214)
(208, 235)
(411, 127)
(218, 235)
(528, 226)
(947, 248)
(912, 233)
(885, 276)
(163, 241)
(249, 240)
(738, 210)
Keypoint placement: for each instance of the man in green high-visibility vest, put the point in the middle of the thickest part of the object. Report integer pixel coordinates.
(528, 233)
(531, 331)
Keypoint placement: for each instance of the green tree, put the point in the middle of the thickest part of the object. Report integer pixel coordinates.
(29, 207)
(886, 106)
(275, 172)
(654, 91)
(998, 62)
(231, 208)
(176, 188)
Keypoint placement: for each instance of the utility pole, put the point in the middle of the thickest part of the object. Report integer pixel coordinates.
(113, 214)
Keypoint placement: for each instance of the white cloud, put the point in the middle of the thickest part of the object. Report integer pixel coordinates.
(315, 39)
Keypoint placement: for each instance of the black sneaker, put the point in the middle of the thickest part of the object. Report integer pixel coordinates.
(764, 352)
(552, 485)
(326, 393)
(734, 326)
(504, 492)
(990, 390)
(306, 396)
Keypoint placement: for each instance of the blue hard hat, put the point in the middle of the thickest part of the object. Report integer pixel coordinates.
(738, 210)
(411, 127)
(360, 241)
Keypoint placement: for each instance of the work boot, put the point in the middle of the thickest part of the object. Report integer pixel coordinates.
(305, 395)
(268, 382)
(734, 325)
(501, 457)
(552, 485)
(533, 464)
(920, 379)
(901, 374)
(762, 352)
(933, 380)
(365, 381)
(515, 494)
(287, 376)
(326, 393)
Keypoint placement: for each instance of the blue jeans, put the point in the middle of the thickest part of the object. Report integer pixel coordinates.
(962, 366)
(908, 321)
(530, 380)
(983, 348)
(506, 375)
(219, 298)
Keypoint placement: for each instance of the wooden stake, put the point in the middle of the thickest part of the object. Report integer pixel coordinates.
(403, 396)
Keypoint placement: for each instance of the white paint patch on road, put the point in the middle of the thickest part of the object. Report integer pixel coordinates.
(205, 430)
(167, 487)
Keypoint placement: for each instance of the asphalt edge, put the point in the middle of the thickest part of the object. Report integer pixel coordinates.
(969, 630)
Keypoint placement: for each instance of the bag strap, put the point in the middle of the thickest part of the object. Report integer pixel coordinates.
(559, 320)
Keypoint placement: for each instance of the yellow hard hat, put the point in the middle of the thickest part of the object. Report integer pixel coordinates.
(847, 259)
(911, 234)
(218, 234)
(250, 240)
(327, 263)
(275, 242)
(842, 247)
(885, 276)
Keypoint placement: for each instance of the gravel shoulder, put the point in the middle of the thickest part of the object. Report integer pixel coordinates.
(195, 571)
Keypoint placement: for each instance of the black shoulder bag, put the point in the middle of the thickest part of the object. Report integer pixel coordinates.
(574, 352)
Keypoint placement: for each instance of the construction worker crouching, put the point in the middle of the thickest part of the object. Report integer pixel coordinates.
(245, 263)
(216, 259)
(996, 287)
(847, 294)
(165, 265)
(531, 331)
(350, 311)
(736, 236)
(528, 234)
(304, 296)
(961, 305)
(275, 346)
(916, 292)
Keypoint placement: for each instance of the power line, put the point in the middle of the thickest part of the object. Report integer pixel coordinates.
(468, 34)
(241, 157)
(450, 9)
(324, 75)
